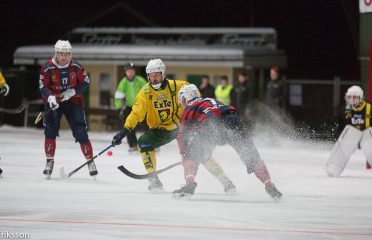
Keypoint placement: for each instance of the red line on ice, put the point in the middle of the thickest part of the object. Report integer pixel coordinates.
(190, 227)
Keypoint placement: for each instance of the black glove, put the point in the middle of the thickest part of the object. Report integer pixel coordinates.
(119, 136)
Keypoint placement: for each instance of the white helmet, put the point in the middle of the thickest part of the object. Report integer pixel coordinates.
(63, 46)
(155, 65)
(354, 96)
(187, 93)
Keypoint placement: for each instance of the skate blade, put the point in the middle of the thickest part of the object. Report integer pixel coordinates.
(231, 191)
(157, 191)
(181, 196)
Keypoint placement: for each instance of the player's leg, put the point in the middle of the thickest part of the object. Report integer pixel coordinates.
(248, 153)
(366, 145)
(190, 168)
(76, 119)
(151, 139)
(51, 130)
(341, 152)
(216, 170)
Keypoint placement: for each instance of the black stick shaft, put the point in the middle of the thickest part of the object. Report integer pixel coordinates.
(90, 160)
(145, 176)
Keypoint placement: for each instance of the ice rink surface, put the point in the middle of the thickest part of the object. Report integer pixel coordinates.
(115, 206)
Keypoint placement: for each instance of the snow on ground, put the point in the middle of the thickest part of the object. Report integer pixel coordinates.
(117, 207)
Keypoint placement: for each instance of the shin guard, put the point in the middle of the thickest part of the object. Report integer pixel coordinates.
(49, 148)
(149, 161)
(87, 150)
(366, 146)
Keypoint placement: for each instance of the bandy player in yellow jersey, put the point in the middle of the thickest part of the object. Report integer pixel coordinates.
(358, 132)
(4, 90)
(157, 101)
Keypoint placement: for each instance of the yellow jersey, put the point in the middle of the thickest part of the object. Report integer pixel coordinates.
(160, 107)
(2, 79)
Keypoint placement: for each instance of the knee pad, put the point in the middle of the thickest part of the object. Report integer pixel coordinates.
(80, 134)
(51, 132)
(144, 145)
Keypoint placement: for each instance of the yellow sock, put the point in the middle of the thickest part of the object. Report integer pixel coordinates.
(149, 161)
(215, 169)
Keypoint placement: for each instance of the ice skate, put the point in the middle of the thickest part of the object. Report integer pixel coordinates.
(92, 169)
(186, 191)
(155, 185)
(272, 191)
(229, 187)
(48, 168)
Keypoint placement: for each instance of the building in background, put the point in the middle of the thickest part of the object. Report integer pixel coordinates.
(189, 53)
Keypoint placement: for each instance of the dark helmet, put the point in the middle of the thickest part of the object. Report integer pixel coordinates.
(129, 66)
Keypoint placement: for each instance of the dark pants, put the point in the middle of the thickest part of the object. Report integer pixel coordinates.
(75, 116)
(156, 137)
(228, 129)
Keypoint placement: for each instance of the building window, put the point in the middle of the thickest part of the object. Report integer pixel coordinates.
(104, 89)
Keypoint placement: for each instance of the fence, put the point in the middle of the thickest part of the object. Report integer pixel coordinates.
(317, 103)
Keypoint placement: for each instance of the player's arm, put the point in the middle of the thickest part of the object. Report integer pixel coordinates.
(119, 95)
(83, 80)
(82, 84)
(139, 111)
(44, 83)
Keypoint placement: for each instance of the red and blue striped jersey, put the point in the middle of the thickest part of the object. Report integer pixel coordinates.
(197, 113)
(54, 80)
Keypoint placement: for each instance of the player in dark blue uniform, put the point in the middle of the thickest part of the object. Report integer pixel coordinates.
(62, 83)
(206, 123)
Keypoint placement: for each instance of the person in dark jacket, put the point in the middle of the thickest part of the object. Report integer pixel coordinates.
(206, 89)
(242, 93)
(275, 89)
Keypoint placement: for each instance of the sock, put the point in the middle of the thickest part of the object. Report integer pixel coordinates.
(368, 166)
(262, 173)
(49, 148)
(190, 169)
(87, 150)
(215, 169)
(149, 160)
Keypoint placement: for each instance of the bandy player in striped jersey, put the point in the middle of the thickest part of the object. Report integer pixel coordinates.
(207, 123)
(62, 83)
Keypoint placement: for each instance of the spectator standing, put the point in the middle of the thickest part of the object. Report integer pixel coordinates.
(206, 88)
(275, 89)
(125, 97)
(224, 91)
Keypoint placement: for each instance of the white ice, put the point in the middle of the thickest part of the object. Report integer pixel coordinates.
(115, 206)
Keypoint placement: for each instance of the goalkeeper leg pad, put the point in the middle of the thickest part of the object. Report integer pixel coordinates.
(344, 147)
(366, 144)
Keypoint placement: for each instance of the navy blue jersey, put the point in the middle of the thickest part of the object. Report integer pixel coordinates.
(54, 80)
